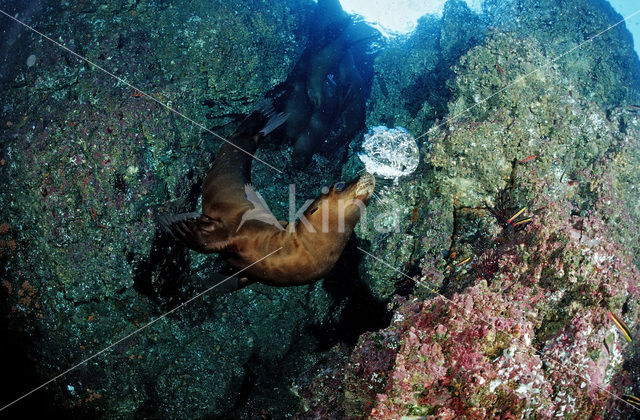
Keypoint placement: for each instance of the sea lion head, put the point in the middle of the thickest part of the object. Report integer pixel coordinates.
(340, 207)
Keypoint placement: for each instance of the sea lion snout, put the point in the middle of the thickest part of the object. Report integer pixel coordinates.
(365, 186)
(360, 188)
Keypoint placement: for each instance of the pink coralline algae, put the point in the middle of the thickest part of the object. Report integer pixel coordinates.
(468, 356)
(528, 337)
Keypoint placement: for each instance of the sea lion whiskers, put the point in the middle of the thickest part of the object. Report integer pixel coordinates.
(376, 198)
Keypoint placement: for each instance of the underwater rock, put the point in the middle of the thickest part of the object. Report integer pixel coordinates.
(605, 69)
(548, 277)
(541, 118)
(537, 137)
(86, 161)
(412, 221)
(529, 334)
(409, 87)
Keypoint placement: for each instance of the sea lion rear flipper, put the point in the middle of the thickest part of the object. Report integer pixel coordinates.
(196, 231)
(275, 121)
(262, 120)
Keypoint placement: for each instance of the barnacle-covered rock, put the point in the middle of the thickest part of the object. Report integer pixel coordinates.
(505, 121)
(586, 40)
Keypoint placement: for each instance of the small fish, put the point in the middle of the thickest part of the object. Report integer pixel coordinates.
(518, 213)
(523, 221)
(528, 159)
(462, 262)
(632, 399)
(500, 69)
(634, 107)
(621, 325)
(606, 346)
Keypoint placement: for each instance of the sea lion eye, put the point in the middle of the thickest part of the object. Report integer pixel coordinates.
(339, 186)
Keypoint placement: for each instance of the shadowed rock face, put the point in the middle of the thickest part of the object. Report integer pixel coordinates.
(325, 96)
(85, 268)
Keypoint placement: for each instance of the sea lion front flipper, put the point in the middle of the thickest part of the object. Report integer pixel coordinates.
(196, 231)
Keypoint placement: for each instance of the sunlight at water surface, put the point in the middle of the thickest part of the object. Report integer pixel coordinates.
(397, 16)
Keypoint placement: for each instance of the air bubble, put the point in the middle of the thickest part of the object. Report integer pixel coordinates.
(389, 152)
(31, 60)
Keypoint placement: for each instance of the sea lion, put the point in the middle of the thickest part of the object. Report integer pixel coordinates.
(353, 112)
(327, 58)
(331, 90)
(319, 125)
(308, 248)
(342, 99)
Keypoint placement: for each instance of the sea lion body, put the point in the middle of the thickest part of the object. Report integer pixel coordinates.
(303, 251)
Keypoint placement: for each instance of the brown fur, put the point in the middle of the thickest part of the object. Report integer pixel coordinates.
(307, 252)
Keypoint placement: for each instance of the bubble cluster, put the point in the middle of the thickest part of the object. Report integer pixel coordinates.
(389, 152)
(31, 60)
